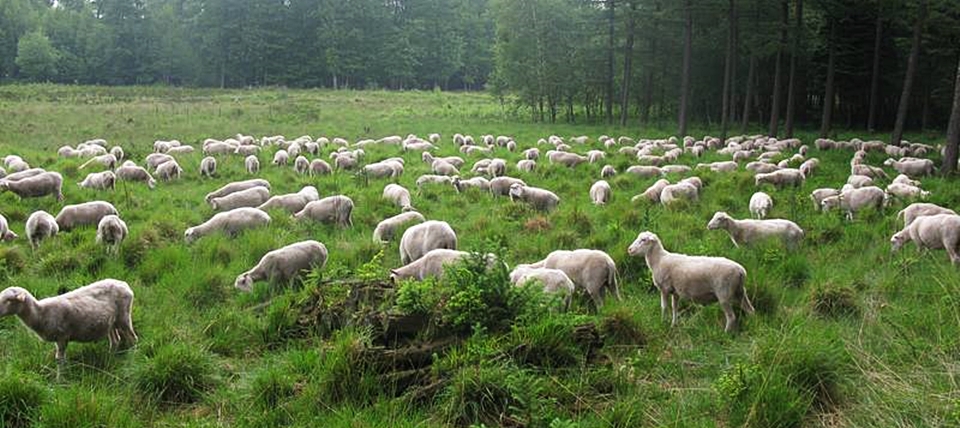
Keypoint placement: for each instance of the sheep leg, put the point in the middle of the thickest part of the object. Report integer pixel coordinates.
(663, 304)
(732, 239)
(61, 356)
(730, 316)
(675, 307)
(951, 248)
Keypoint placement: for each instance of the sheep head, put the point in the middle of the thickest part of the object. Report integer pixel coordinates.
(516, 190)
(11, 299)
(897, 240)
(190, 235)
(244, 282)
(719, 221)
(643, 244)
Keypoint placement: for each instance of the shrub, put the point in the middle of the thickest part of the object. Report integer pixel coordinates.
(20, 397)
(176, 374)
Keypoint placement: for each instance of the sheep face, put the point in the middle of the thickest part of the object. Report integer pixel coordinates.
(244, 282)
(830, 203)
(643, 244)
(516, 190)
(190, 235)
(897, 241)
(719, 220)
(10, 300)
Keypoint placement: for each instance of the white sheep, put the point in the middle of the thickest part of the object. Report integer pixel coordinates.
(180, 150)
(531, 154)
(154, 160)
(281, 158)
(169, 171)
(479, 183)
(208, 167)
(85, 214)
(335, 209)
(111, 231)
(251, 164)
(442, 167)
(760, 205)
(43, 184)
(679, 191)
(284, 264)
(724, 166)
(780, 178)
(539, 199)
(252, 197)
(809, 166)
(697, 278)
(852, 201)
(433, 179)
(906, 191)
(229, 222)
(135, 173)
(652, 193)
(501, 186)
(40, 225)
(292, 202)
(383, 169)
(398, 195)
(421, 238)
(918, 209)
(99, 180)
(593, 271)
(858, 181)
(600, 192)
(912, 167)
(433, 263)
(566, 159)
(553, 281)
(607, 171)
(761, 167)
(526, 165)
(675, 169)
(107, 160)
(387, 229)
(301, 165)
(904, 179)
(319, 167)
(5, 233)
(748, 231)
(867, 170)
(938, 231)
(818, 195)
(236, 186)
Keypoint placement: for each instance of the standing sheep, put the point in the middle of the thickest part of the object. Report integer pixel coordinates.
(208, 167)
(421, 238)
(747, 231)
(284, 264)
(236, 186)
(85, 214)
(432, 264)
(301, 165)
(99, 180)
(251, 197)
(387, 229)
(135, 173)
(40, 225)
(332, 209)
(229, 222)
(480, 183)
(608, 171)
(915, 210)
(552, 281)
(780, 178)
(111, 231)
(600, 192)
(853, 200)
(42, 184)
(398, 195)
(252, 164)
(539, 199)
(939, 231)
(281, 158)
(5, 233)
(653, 192)
(760, 204)
(593, 271)
(501, 186)
(292, 202)
(169, 171)
(319, 167)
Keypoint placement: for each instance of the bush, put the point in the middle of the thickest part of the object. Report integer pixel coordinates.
(176, 374)
(20, 397)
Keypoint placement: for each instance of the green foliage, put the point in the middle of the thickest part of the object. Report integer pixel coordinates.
(831, 301)
(176, 374)
(20, 398)
(494, 396)
(752, 397)
(343, 374)
(80, 407)
(548, 342)
(36, 57)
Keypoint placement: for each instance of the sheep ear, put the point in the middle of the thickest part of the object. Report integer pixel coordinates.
(21, 297)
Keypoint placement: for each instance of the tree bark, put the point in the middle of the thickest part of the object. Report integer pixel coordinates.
(611, 5)
(732, 114)
(875, 79)
(908, 79)
(685, 78)
(775, 106)
(829, 95)
(792, 84)
(627, 63)
(751, 76)
(648, 84)
(727, 72)
(953, 130)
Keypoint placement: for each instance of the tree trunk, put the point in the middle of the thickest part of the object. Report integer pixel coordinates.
(775, 106)
(953, 130)
(829, 95)
(611, 5)
(727, 72)
(732, 114)
(875, 79)
(648, 82)
(908, 79)
(627, 64)
(685, 77)
(748, 96)
(792, 84)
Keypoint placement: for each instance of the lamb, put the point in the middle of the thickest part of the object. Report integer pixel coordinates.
(42, 184)
(760, 204)
(135, 173)
(745, 232)
(653, 192)
(236, 187)
(252, 197)
(301, 165)
(590, 270)
(918, 209)
(527, 165)
(398, 195)
(432, 264)
(85, 214)
(419, 239)
(5, 233)
(607, 171)
(281, 158)
(540, 199)
(697, 278)
(912, 167)
(853, 200)
(40, 225)
(169, 171)
(229, 222)
(101, 310)
(501, 186)
(111, 231)
(906, 191)
(208, 167)
(552, 281)
(154, 160)
(480, 183)
(386, 229)
(107, 160)
(934, 232)
(332, 209)
(780, 178)
(292, 202)
(600, 192)
(284, 264)
(99, 180)
(820, 194)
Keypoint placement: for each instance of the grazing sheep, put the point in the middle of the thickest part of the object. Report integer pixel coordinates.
(442, 167)
(526, 165)
(912, 167)
(154, 160)
(600, 192)
(853, 200)
(725, 166)
(386, 229)
(552, 281)
(40, 225)
(229, 222)
(938, 231)
(809, 166)
(111, 231)
(99, 180)
(301, 165)
(820, 194)
(858, 181)
(208, 167)
(42, 184)
(252, 197)
(590, 270)
(180, 150)
(653, 192)
(497, 168)
(607, 171)
(760, 204)
(383, 169)
(761, 167)
(319, 167)
(335, 209)
(292, 202)
(918, 209)
(398, 195)
(697, 278)
(566, 159)
(644, 171)
(284, 264)
(867, 170)
(906, 191)
(107, 160)
(246, 150)
(479, 183)
(236, 186)
(540, 199)
(675, 169)
(281, 158)
(903, 179)
(169, 171)
(101, 310)
(433, 179)
(135, 173)
(748, 231)
(5, 233)
(501, 186)
(252, 164)
(85, 214)
(780, 178)
(421, 238)
(68, 152)
(679, 191)
(432, 264)
(531, 154)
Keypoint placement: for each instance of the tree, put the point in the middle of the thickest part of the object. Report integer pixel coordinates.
(775, 106)
(953, 130)
(728, 70)
(628, 62)
(36, 57)
(792, 85)
(911, 72)
(685, 72)
(828, 96)
(875, 76)
(611, 24)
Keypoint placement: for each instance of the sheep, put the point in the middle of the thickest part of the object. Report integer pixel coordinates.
(590, 270)
(697, 278)
(747, 231)
(107, 160)
(867, 170)
(111, 231)
(780, 178)
(653, 192)
(319, 167)
(154, 160)
(335, 209)
(552, 281)
(644, 171)
(252, 197)
(675, 169)
(760, 204)
(169, 171)
(383, 169)
(761, 167)
(208, 167)
(531, 154)
(600, 192)
(918, 209)
(99, 180)
(229, 222)
(84, 214)
(912, 167)
(934, 232)
(566, 159)
(398, 195)
(101, 310)
(853, 200)
(904, 179)
(675, 192)
(595, 155)
(858, 181)
(607, 171)
(480, 166)
(809, 166)
(386, 229)
(817, 196)
(442, 167)
(68, 152)
(5, 233)
(281, 158)
(301, 165)
(479, 183)
(42, 184)
(284, 264)
(501, 186)
(497, 168)
(527, 165)
(180, 150)
(40, 225)
(419, 239)
(906, 191)
(432, 264)
(135, 173)
(725, 166)
(540, 199)
(433, 179)
(236, 187)
(292, 202)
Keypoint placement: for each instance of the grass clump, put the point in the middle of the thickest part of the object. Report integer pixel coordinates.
(176, 374)
(753, 397)
(548, 342)
(621, 327)
(343, 374)
(493, 396)
(20, 398)
(82, 408)
(833, 301)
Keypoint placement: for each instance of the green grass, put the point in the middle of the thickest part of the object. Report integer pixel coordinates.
(846, 333)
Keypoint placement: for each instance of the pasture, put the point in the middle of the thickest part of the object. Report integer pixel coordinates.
(846, 333)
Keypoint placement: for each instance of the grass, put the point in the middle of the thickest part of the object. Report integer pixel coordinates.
(846, 333)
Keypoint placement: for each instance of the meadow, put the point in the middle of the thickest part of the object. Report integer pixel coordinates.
(846, 333)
